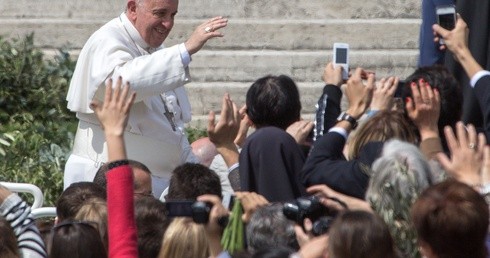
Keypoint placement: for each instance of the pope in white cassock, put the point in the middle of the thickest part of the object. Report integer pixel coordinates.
(130, 46)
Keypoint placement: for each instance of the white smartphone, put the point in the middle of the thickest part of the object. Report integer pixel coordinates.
(341, 57)
(446, 17)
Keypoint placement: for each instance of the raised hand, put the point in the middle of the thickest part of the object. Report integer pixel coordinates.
(113, 113)
(383, 94)
(250, 202)
(300, 130)
(332, 75)
(454, 40)
(204, 32)
(424, 109)
(224, 133)
(466, 154)
(113, 116)
(358, 93)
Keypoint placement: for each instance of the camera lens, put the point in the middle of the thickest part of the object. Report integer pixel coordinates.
(322, 225)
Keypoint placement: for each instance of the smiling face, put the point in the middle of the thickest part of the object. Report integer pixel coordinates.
(153, 19)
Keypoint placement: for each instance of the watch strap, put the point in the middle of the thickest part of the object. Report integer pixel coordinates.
(344, 116)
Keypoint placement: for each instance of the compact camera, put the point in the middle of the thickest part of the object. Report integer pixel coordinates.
(311, 208)
(198, 211)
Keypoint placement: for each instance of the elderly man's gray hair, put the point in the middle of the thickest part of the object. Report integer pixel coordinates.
(269, 228)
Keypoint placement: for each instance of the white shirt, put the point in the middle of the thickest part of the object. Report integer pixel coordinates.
(117, 49)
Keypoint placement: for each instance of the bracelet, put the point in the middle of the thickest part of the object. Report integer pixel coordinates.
(117, 163)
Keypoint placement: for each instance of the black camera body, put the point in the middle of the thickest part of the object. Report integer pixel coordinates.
(311, 208)
(198, 211)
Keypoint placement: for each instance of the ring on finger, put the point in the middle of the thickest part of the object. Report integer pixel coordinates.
(208, 29)
(472, 145)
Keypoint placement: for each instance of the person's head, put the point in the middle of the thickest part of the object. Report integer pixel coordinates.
(8, 240)
(75, 196)
(399, 175)
(142, 181)
(383, 126)
(151, 223)
(451, 220)
(440, 78)
(95, 210)
(184, 238)
(273, 101)
(141, 175)
(204, 150)
(360, 234)
(191, 180)
(76, 239)
(153, 19)
(269, 228)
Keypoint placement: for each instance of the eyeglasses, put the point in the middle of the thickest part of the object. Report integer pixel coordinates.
(145, 194)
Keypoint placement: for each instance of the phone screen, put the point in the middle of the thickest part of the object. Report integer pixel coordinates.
(447, 21)
(341, 56)
(179, 208)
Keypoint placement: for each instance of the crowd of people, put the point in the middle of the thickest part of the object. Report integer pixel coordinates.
(395, 174)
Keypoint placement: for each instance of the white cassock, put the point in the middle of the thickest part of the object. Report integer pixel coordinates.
(158, 77)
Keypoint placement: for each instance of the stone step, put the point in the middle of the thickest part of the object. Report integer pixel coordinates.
(302, 66)
(205, 97)
(255, 9)
(241, 33)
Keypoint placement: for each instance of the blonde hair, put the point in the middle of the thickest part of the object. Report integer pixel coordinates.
(381, 127)
(95, 210)
(184, 238)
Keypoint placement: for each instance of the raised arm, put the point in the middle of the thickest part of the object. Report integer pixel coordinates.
(113, 115)
(456, 41)
(326, 164)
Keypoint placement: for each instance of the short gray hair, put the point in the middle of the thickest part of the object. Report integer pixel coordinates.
(269, 228)
(399, 176)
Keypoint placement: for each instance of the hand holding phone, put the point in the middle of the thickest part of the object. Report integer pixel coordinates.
(446, 18)
(341, 57)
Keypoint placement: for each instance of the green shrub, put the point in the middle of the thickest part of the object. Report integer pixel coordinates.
(36, 129)
(194, 133)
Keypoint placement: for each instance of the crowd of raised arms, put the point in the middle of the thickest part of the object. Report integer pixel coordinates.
(387, 169)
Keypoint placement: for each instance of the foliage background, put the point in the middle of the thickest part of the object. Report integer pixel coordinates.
(36, 128)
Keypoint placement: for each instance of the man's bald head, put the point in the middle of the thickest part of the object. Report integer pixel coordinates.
(204, 150)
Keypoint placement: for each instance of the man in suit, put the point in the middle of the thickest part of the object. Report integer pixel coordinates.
(456, 42)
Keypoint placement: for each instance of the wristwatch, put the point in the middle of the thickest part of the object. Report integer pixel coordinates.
(346, 117)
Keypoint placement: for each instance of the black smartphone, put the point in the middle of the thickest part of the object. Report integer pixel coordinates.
(446, 18)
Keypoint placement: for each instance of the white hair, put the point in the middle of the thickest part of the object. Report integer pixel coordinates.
(399, 176)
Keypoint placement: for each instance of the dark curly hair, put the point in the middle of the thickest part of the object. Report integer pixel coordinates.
(449, 89)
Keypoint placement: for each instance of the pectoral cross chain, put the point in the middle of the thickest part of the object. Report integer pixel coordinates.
(169, 115)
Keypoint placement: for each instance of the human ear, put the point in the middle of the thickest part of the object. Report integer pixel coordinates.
(131, 10)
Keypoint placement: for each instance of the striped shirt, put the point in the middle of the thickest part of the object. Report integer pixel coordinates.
(18, 214)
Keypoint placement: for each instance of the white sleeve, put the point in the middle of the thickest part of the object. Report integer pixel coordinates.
(477, 77)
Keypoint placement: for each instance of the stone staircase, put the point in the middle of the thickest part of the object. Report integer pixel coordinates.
(292, 37)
